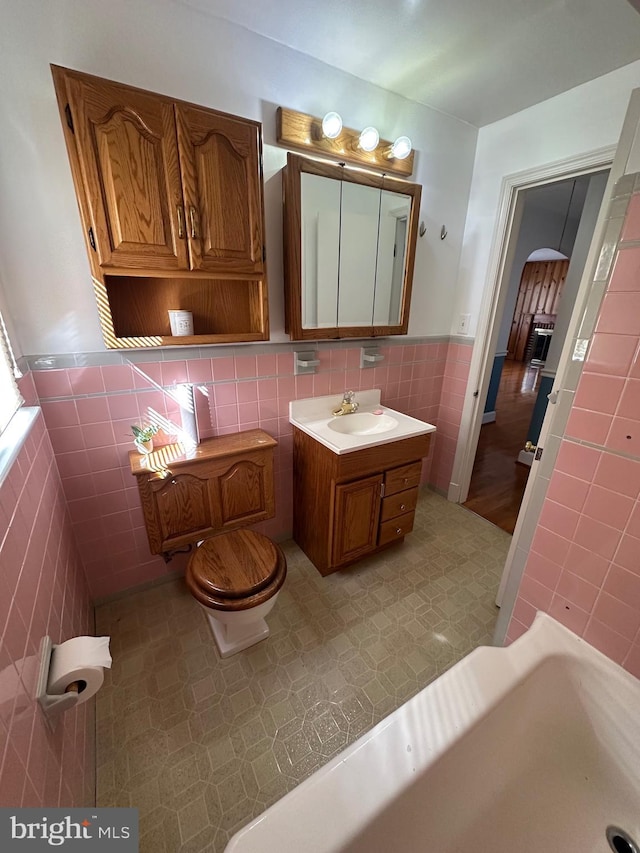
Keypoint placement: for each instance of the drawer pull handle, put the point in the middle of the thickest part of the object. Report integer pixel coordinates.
(195, 228)
(402, 506)
(398, 530)
(406, 480)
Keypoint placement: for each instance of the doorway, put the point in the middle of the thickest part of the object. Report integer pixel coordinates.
(498, 481)
(536, 293)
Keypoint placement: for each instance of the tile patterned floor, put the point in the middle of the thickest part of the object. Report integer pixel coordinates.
(200, 745)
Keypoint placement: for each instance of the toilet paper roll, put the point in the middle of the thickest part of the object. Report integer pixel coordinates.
(80, 659)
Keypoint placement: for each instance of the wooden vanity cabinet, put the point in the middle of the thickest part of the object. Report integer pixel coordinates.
(349, 505)
(171, 201)
(226, 482)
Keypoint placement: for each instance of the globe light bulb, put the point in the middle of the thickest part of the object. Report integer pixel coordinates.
(401, 148)
(369, 139)
(331, 125)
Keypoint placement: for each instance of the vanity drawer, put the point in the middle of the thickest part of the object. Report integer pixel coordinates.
(399, 479)
(399, 503)
(395, 528)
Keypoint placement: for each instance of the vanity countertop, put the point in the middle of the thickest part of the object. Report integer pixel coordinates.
(314, 416)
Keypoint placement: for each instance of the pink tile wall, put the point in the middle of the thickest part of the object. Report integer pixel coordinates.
(584, 564)
(89, 412)
(454, 385)
(43, 591)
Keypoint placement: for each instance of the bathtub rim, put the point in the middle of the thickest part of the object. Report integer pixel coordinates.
(312, 816)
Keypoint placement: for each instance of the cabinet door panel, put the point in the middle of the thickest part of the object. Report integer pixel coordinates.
(244, 493)
(183, 506)
(359, 218)
(355, 519)
(127, 148)
(320, 247)
(220, 168)
(395, 213)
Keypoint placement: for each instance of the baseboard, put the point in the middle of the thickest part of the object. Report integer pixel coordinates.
(488, 418)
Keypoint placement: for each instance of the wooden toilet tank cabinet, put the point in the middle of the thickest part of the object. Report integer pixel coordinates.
(224, 483)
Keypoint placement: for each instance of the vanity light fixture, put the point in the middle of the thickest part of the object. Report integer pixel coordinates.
(369, 139)
(401, 148)
(331, 125)
(320, 137)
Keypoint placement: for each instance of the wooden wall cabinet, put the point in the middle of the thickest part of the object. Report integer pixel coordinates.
(226, 482)
(350, 505)
(171, 200)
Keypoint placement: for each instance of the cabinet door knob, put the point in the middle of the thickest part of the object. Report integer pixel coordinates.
(402, 506)
(398, 530)
(406, 480)
(193, 216)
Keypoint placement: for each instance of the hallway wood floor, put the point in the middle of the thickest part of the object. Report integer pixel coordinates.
(498, 481)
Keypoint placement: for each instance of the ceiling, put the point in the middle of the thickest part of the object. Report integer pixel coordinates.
(478, 60)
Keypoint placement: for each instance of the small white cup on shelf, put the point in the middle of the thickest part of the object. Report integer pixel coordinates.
(181, 323)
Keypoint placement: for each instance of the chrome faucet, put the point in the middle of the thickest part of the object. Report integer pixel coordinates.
(348, 405)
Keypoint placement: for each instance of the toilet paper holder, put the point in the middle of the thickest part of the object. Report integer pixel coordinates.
(53, 706)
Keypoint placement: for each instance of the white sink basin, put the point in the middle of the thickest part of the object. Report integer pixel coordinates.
(372, 425)
(363, 423)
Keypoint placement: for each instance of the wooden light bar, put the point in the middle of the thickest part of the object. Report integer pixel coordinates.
(304, 132)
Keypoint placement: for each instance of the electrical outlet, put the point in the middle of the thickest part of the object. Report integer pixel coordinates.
(463, 324)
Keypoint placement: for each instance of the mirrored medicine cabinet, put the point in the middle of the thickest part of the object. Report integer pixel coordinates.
(350, 239)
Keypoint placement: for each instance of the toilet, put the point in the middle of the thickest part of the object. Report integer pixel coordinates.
(236, 577)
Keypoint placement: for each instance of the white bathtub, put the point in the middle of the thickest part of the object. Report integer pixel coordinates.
(529, 749)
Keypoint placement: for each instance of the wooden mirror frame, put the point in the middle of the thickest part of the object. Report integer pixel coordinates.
(292, 211)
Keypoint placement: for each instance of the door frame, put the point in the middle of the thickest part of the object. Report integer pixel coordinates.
(501, 258)
(626, 162)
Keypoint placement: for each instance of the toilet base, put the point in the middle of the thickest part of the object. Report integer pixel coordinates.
(233, 638)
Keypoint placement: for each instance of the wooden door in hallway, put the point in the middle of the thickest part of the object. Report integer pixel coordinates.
(537, 304)
(498, 480)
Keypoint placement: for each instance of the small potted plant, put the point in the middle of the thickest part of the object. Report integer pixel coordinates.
(143, 437)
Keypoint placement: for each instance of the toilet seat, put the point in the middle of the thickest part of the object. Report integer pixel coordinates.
(236, 570)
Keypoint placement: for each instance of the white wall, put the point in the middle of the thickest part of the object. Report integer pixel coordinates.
(581, 120)
(166, 47)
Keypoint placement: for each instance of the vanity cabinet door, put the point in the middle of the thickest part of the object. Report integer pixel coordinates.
(220, 162)
(128, 159)
(355, 519)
